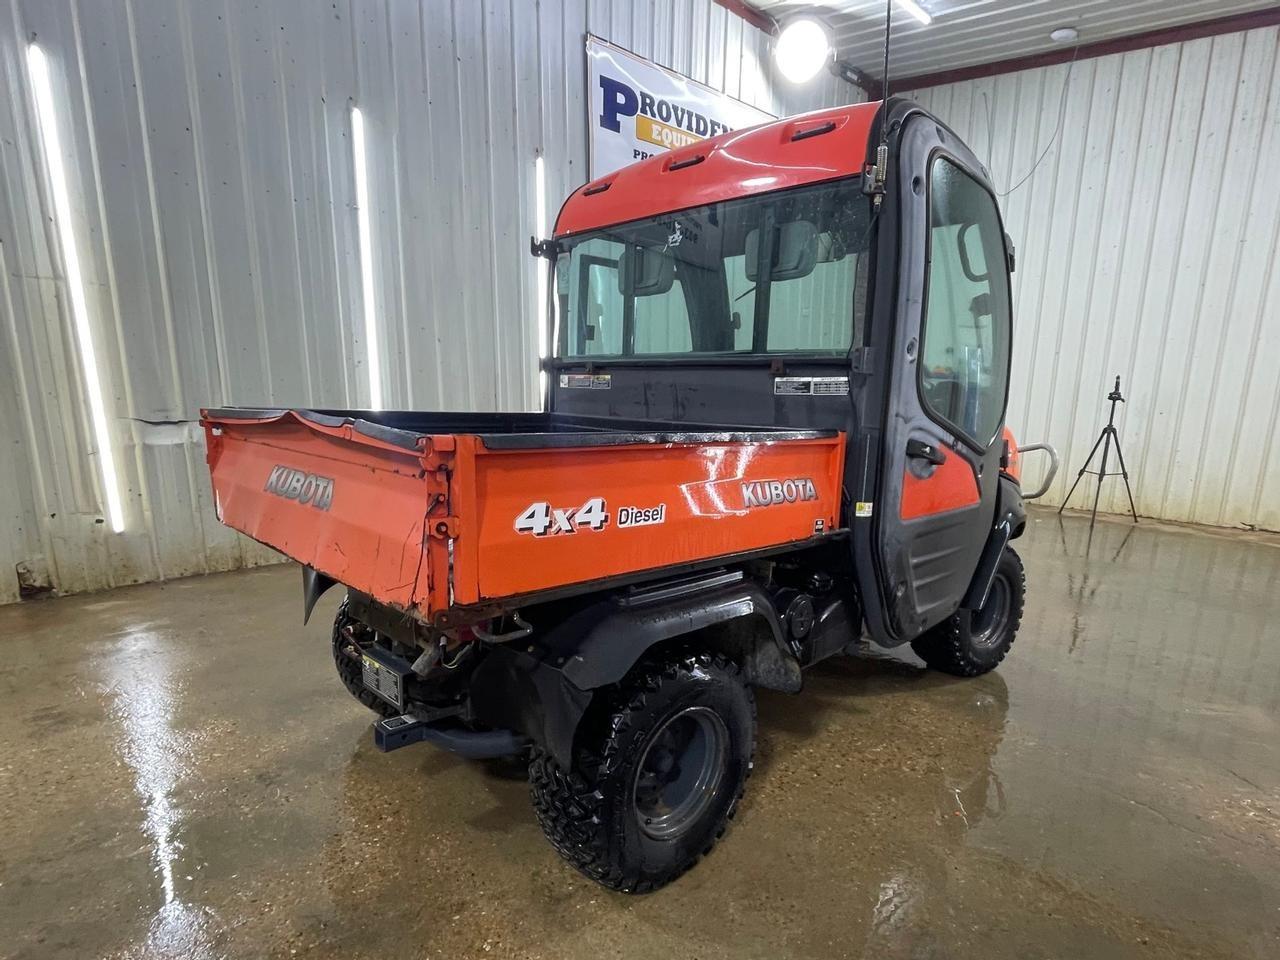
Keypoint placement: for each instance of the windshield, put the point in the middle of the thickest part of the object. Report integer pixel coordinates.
(780, 272)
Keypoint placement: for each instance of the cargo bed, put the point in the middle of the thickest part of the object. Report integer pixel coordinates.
(433, 512)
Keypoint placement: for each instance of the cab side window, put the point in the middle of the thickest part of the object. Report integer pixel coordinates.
(965, 343)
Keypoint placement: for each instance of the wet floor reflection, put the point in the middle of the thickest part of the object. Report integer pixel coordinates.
(138, 676)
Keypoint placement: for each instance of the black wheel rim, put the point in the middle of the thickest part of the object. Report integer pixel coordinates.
(680, 772)
(987, 623)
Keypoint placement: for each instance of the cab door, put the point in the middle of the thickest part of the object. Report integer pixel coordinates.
(948, 348)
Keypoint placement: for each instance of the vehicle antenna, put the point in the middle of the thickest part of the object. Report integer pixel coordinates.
(875, 175)
(884, 77)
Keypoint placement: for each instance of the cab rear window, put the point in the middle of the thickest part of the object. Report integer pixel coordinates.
(781, 272)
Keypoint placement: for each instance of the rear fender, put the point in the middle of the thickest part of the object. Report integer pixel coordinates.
(543, 690)
(600, 644)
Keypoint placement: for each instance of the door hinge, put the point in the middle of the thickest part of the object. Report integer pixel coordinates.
(549, 249)
(862, 360)
(444, 527)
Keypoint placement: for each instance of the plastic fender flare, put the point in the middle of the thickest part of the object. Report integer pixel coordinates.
(601, 643)
(545, 693)
(1010, 521)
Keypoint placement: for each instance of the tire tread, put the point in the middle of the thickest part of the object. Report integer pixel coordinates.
(946, 646)
(349, 671)
(569, 808)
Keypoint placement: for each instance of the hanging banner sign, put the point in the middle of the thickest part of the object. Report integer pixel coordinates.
(639, 109)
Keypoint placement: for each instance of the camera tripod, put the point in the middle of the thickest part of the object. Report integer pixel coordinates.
(1105, 440)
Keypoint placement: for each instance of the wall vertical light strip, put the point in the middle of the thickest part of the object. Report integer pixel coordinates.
(540, 305)
(365, 239)
(51, 145)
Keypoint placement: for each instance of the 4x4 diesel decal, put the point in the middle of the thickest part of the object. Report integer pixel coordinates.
(542, 519)
(642, 516)
(294, 484)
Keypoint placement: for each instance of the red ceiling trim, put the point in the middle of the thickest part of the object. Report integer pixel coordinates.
(757, 18)
(1137, 41)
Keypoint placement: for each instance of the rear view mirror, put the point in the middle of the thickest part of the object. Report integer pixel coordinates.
(830, 247)
(645, 272)
(969, 245)
(980, 307)
(794, 254)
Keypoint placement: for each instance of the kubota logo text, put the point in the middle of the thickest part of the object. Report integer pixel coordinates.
(767, 493)
(294, 484)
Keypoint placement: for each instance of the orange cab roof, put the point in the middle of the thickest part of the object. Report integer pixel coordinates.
(807, 148)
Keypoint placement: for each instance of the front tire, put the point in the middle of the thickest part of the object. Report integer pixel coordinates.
(973, 642)
(657, 775)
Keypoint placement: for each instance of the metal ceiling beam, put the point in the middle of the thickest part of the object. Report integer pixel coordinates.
(1135, 41)
(757, 18)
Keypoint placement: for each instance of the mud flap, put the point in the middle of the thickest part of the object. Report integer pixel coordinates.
(314, 584)
(511, 689)
(1011, 517)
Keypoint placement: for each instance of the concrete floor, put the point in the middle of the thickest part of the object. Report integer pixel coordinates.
(182, 776)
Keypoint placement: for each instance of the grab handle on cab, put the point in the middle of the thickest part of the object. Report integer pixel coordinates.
(1048, 477)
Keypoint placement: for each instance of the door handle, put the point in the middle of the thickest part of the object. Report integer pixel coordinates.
(919, 450)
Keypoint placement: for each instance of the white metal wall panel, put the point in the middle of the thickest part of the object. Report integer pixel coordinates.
(208, 149)
(1147, 247)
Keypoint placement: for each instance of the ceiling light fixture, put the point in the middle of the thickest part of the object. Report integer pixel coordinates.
(1065, 35)
(802, 49)
(917, 11)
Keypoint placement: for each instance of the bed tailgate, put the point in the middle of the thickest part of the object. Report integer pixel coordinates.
(352, 504)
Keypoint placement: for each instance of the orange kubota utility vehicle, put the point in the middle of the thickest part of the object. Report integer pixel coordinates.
(774, 419)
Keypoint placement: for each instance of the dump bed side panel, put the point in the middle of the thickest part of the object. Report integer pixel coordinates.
(350, 506)
(546, 518)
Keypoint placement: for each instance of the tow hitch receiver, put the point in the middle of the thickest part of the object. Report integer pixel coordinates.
(396, 732)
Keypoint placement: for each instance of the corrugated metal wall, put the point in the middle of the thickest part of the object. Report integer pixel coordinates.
(1148, 248)
(209, 157)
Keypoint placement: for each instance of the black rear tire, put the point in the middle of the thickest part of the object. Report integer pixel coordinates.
(973, 642)
(659, 769)
(349, 670)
